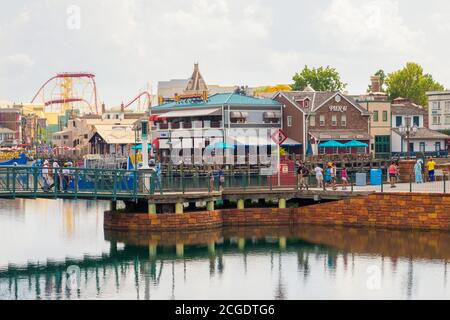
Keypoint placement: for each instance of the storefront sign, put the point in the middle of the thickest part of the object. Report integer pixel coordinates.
(338, 108)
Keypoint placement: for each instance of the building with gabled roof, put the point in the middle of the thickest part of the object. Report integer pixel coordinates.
(314, 117)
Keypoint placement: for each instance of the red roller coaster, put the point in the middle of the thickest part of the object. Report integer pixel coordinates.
(69, 91)
(145, 104)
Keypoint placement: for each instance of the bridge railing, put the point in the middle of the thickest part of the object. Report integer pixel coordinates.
(16, 181)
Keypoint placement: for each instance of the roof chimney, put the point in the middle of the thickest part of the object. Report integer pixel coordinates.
(376, 84)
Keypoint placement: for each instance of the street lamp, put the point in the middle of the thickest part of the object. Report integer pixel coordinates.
(407, 131)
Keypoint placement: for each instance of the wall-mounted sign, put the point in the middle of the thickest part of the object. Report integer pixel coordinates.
(338, 108)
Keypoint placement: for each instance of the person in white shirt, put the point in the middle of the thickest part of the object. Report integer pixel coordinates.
(45, 176)
(319, 176)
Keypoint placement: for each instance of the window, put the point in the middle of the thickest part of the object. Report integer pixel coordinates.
(289, 121)
(65, 137)
(437, 146)
(422, 146)
(447, 106)
(447, 119)
(382, 144)
(416, 121)
(334, 120)
(344, 120)
(375, 116)
(385, 116)
(398, 121)
(306, 104)
(322, 120)
(436, 120)
(312, 121)
(436, 105)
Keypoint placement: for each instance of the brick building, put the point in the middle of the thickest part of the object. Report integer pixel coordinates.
(313, 117)
(11, 118)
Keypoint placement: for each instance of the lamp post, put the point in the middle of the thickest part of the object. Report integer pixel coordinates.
(407, 131)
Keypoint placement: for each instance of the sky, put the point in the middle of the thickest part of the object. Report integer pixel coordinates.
(132, 44)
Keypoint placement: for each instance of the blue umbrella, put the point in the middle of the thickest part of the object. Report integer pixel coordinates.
(356, 144)
(139, 147)
(220, 145)
(332, 144)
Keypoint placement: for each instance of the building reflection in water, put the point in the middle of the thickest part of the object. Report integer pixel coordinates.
(140, 266)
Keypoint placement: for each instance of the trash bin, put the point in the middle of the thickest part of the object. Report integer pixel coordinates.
(361, 179)
(375, 177)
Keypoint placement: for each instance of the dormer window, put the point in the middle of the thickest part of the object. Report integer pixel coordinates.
(303, 103)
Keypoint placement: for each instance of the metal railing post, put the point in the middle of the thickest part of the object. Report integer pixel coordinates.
(445, 187)
(410, 183)
(135, 183)
(14, 182)
(75, 182)
(35, 181)
(115, 186)
(95, 182)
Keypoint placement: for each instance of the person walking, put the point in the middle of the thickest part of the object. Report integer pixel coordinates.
(45, 176)
(344, 177)
(56, 175)
(319, 176)
(221, 178)
(431, 165)
(211, 179)
(304, 178)
(333, 173)
(65, 177)
(392, 171)
(418, 171)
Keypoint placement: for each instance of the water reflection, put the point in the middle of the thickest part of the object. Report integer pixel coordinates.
(233, 263)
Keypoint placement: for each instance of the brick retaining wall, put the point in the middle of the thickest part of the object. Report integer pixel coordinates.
(395, 210)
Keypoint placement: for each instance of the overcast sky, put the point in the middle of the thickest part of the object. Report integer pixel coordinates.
(129, 43)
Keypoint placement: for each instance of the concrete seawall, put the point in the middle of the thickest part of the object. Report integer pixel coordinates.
(388, 210)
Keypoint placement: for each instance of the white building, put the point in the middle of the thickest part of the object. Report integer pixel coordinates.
(423, 139)
(439, 109)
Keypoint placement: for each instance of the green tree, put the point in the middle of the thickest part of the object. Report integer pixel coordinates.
(320, 79)
(411, 83)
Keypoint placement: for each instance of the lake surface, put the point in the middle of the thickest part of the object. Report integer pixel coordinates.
(55, 249)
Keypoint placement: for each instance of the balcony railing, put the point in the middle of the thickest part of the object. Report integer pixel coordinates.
(187, 125)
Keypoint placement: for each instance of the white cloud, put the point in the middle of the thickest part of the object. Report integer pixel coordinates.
(128, 44)
(374, 25)
(15, 63)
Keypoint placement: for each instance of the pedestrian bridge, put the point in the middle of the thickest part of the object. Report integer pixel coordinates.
(134, 185)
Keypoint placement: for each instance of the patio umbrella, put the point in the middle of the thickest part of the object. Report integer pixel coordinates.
(356, 144)
(139, 147)
(332, 144)
(220, 145)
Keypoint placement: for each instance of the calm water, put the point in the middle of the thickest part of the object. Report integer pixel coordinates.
(44, 241)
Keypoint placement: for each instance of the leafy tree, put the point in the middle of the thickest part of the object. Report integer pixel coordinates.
(320, 79)
(411, 83)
